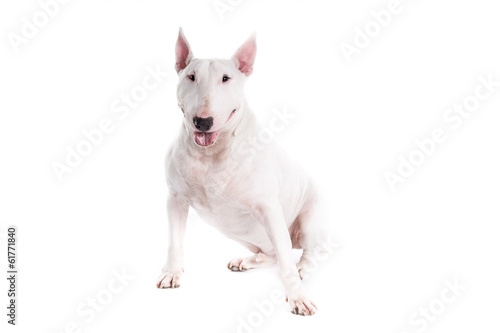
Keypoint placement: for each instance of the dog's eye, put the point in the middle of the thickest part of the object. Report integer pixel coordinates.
(191, 77)
(225, 78)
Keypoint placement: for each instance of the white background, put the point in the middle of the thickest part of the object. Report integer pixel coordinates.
(353, 121)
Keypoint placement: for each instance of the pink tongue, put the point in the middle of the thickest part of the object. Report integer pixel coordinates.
(205, 139)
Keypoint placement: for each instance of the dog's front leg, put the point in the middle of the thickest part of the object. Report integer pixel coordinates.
(270, 215)
(177, 212)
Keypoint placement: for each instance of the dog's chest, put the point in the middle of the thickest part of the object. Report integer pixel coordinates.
(210, 187)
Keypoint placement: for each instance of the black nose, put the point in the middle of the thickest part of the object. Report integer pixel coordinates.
(203, 124)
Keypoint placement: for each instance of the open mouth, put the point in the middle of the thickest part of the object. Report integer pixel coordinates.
(205, 139)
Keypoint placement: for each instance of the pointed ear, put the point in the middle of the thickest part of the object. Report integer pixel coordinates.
(244, 57)
(183, 54)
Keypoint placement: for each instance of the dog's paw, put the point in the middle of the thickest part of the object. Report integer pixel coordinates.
(169, 280)
(255, 261)
(302, 306)
(239, 264)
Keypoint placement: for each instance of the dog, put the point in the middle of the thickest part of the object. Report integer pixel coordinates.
(259, 198)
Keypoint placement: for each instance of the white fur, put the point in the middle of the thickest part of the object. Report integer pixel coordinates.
(258, 197)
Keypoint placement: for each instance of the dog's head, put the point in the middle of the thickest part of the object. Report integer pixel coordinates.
(210, 91)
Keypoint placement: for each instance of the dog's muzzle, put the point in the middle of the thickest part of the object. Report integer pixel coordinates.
(202, 137)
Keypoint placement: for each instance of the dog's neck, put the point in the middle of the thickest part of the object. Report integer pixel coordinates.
(242, 126)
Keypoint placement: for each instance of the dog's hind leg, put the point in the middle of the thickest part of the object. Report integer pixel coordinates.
(258, 260)
(310, 232)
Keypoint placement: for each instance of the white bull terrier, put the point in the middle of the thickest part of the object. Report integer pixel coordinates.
(258, 197)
